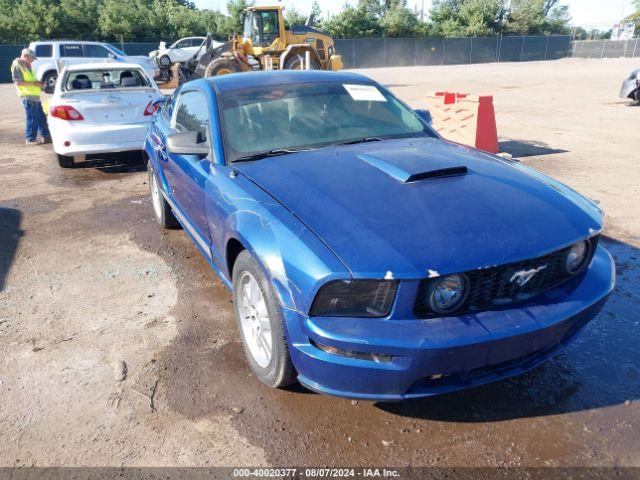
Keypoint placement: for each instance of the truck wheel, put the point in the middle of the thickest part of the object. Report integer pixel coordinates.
(161, 208)
(260, 322)
(49, 80)
(636, 95)
(164, 61)
(65, 161)
(296, 61)
(222, 66)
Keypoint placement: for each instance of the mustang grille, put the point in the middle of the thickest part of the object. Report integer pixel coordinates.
(491, 288)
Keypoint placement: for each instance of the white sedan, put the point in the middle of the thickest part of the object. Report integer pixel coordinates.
(180, 51)
(101, 108)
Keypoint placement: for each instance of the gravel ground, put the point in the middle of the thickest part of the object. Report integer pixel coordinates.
(119, 346)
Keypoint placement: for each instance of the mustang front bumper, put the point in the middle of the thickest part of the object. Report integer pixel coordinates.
(434, 356)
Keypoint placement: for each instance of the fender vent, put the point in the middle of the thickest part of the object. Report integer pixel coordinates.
(443, 172)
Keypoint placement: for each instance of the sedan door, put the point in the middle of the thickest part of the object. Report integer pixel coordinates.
(181, 52)
(187, 174)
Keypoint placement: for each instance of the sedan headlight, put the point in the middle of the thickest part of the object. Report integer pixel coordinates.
(448, 293)
(577, 256)
(355, 298)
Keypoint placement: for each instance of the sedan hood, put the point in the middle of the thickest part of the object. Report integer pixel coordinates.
(412, 208)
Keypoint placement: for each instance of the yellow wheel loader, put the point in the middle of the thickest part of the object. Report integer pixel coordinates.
(265, 45)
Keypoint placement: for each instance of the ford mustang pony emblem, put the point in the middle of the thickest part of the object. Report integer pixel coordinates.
(522, 277)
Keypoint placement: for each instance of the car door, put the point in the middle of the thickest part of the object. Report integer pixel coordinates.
(71, 53)
(187, 174)
(180, 53)
(96, 53)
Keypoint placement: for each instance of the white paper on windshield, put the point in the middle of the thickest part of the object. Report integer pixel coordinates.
(364, 93)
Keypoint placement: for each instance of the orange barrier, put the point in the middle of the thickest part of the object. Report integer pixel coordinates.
(464, 118)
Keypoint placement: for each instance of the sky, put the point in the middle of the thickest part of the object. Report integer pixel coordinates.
(600, 14)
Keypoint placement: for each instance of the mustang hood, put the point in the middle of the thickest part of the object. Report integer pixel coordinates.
(419, 207)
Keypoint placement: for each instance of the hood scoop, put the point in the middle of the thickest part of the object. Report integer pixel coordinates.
(404, 176)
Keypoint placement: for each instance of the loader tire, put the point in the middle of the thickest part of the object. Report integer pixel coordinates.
(222, 66)
(295, 62)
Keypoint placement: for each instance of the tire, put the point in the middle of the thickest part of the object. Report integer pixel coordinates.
(222, 66)
(161, 208)
(636, 95)
(49, 81)
(65, 161)
(295, 61)
(274, 369)
(164, 61)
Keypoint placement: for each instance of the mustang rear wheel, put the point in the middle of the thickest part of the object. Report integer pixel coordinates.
(161, 208)
(261, 324)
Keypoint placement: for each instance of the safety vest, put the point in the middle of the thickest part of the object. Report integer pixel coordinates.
(27, 76)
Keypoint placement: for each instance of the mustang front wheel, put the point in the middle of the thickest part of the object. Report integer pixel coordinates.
(261, 324)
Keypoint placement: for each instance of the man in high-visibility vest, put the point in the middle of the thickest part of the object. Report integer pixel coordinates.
(29, 89)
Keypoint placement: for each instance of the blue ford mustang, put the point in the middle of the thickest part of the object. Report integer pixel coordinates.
(368, 257)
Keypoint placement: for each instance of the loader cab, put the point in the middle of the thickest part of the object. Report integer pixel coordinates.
(263, 26)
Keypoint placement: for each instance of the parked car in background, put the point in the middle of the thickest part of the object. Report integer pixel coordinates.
(80, 52)
(631, 86)
(100, 108)
(180, 51)
(368, 257)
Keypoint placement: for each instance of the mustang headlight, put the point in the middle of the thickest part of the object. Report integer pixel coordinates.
(577, 256)
(446, 294)
(355, 298)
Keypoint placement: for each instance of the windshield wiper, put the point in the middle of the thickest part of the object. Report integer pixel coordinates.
(269, 153)
(360, 140)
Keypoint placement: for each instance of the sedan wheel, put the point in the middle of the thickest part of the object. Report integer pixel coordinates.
(254, 318)
(164, 61)
(261, 323)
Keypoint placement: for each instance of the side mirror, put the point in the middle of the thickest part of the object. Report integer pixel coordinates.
(425, 115)
(187, 144)
(112, 56)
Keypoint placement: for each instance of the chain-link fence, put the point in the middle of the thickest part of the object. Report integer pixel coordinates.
(395, 52)
(607, 48)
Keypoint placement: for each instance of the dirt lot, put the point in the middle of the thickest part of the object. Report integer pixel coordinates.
(119, 346)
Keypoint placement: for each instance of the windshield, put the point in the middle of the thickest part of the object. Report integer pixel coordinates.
(305, 116)
(115, 50)
(96, 79)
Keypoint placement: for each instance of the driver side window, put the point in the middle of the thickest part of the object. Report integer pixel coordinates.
(192, 114)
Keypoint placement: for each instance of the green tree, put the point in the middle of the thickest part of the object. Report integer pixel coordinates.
(294, 17)
(79, 17)
(353, 22)
(235, 19)
(316, 14)
(635, 16)
(538, 17)
(126, 21)
(458, 18)
(399, 21)
(34, 19)
(8, 27)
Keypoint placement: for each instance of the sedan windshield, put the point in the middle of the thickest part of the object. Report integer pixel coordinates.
(96, 79)
(262, 121)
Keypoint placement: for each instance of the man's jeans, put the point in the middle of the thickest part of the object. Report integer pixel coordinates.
(36, 120)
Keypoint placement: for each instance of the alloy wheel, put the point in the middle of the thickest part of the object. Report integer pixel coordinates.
(254, 319)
